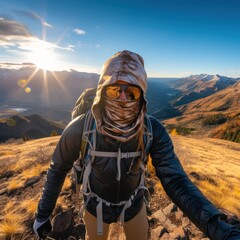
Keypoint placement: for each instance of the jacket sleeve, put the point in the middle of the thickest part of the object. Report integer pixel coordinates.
(183, 192)
(66, 152)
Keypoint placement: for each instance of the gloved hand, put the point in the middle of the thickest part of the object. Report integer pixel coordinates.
(42, 229)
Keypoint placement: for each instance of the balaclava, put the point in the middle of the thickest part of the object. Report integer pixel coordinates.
(121, 119)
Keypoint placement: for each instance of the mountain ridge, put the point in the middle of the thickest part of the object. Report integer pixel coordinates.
(28, 127)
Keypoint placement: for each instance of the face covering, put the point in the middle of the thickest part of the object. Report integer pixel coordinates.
(121, 119)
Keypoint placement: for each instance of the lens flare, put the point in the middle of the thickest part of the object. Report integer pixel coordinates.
(22, 83)
(28, 90)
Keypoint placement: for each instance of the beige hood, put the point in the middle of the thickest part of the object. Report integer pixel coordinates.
(126, 66)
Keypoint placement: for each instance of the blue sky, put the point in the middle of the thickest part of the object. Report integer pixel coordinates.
(176, 38)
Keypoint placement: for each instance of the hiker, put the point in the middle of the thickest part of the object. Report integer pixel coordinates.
(118, 140)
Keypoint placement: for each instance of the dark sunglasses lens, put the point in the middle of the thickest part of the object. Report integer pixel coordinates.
(131, 92)
(113, 91)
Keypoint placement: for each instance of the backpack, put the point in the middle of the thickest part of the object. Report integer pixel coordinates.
(82, 105)
(83, 165)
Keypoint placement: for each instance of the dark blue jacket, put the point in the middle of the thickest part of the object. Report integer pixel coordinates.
(103, 180)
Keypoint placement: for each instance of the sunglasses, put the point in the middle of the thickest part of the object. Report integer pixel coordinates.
(114, 91)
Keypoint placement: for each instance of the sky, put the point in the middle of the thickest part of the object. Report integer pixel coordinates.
(176, 38)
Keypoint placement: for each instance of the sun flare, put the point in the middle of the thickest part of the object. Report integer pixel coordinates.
(44, 59)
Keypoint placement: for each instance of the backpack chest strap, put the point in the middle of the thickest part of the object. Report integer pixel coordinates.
(119, 155)
(94, 153)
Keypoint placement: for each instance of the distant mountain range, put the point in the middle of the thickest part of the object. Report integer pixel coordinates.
(52, 95)
(28, 127)
(62, 88)
(200, 86)
(226, 99)
(50, 89)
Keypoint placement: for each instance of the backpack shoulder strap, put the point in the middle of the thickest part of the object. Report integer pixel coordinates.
(148, 134)
(88, 135)
(80, 164)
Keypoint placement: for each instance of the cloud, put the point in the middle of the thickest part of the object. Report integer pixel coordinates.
(33, 15)
(79, 31)
(70, 47)
(88, 45)
(15, 35)
(10, 31)
(11, 65)
(12, 28)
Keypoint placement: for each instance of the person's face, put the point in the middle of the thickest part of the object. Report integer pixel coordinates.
(123, 91)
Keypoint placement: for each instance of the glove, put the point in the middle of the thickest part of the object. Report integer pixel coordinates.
(42, 229)
(218, 228)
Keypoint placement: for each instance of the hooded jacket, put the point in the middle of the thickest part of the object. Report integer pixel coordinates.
(103, 179)
(126, 66)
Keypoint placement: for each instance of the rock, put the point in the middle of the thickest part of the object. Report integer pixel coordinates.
(31, 181)
(165, 236)
(160, 216)
(116, 232)
(62, 221)
(158, 232)
(3, 191)
(196, 176)
(185, 222)
(179, 215)
(152, 222)
(150, 185)
(178, 233)
(151, 190)
(167, 210)
(164, 230)
(175, 208)
(169, 225)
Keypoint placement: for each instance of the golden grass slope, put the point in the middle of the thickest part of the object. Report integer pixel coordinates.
(228, 98)
(213, 165)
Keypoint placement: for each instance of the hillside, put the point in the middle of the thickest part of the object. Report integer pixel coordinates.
(27, 127)
(199, 86)
(226, 99)
(217, 115)
(23, 168)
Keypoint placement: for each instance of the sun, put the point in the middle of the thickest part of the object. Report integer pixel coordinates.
(45, 59)
(43, 56)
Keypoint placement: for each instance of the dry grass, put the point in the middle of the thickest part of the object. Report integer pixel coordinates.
(10, 227)
(24, 160)
(150, 168)
(6, 153)
(13, 221)
(61, 203)
(217, 162)
(18, 156)
(213, 165)
(34, 171)
(67, 183)
(15, 184)
(174, 132)
(19, 181)
(30, 206)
